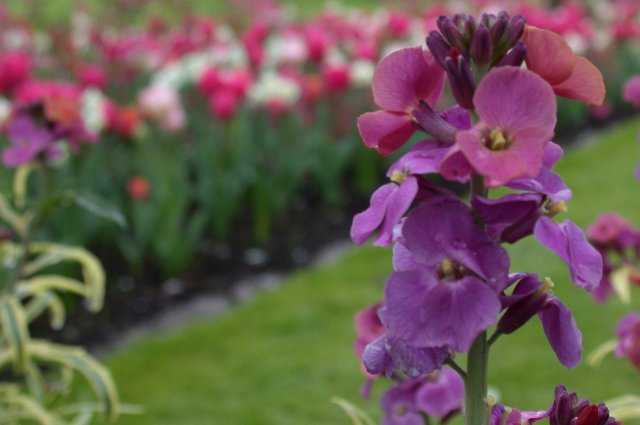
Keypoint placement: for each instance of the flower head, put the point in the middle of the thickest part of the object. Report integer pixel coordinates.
(628, 333)
(447, 260)
(401, 81)
(517, 111)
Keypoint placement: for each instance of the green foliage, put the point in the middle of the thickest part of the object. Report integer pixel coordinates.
(36, 372)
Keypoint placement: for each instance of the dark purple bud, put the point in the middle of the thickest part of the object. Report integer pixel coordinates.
(467, 81)
(455, 81)
(488, 19)
(499, 27)
(523, 310)
(434, 124)
(514, 30)
(515, 56)
(470, 27)
(450, 32)
(438, 47)
(481, 47)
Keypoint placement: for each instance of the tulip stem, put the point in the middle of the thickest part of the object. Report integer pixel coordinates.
(476, 412)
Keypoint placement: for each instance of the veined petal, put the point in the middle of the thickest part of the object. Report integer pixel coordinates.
(406, 76)
(569, 242)
(585, 84)
(548, 54)
(366, 222)
(385, 131)
(562, 332)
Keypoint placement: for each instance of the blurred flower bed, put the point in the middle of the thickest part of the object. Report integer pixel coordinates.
(224, 143)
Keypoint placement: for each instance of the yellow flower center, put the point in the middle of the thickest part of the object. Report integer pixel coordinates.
(398, 176)
(497, 140)
(450, 270)
(555, 208)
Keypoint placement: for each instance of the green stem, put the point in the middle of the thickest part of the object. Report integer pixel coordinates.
(476, 411)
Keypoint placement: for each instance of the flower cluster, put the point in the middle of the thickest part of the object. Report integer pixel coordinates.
(618, 241)
(451, 278)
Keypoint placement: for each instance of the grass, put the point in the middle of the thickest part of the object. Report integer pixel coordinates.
(278, 359)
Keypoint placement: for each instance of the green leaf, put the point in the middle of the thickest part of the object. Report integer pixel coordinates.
(79, 360)
(100, 208)
(14, 329)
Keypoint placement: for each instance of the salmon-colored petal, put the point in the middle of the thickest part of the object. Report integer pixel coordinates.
(385, 131)
(406, 76)
(548, 55)
(585, 84)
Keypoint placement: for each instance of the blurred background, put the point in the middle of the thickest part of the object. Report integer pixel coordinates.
(221, 135)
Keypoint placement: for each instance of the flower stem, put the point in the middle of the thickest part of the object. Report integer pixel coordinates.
(476, 383)
(476, 411)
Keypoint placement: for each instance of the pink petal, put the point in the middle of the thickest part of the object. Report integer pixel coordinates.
(548, 54)
(405, 77)
(499, 167)
(585, 84)
(398, 203)
(385, 131)
(518, 101)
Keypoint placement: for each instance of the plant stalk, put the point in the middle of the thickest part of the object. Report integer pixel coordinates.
(476, 410)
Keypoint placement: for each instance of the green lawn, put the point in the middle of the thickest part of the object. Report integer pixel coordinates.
(279, 359)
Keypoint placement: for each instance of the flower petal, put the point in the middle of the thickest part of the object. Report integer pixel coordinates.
(518, 102)
(429, 314)
(585, 84)
(366, 222)
(562, 332)
(405, 77)
(398, 203)
(569, 242)
(385, 131)
(548, 54)
(443, 396)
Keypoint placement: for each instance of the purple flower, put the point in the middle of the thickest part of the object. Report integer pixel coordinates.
(569, 242)
(531, 297)
(568, 409)
(439, 394)
(401, 81)
(442, 394)
(388, 354)
(453, 272)
(399, 404)
(368, 328)
(28, 141)
(502, 416)
(628, 333)
(517, 111)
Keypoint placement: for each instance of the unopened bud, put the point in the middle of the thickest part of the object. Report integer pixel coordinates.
(499, 27)
(514, 30)
(516, 56)
(438, 46)
(450, 32)
(434, 124)
(481, 46)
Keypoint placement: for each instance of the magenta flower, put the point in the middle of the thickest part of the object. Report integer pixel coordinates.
(631, 91)
(451, 262)
(531, 297)
(501, 416)
(628, 333)
(368, 328)
(401, 81)
(399, 404)
(28, 141)
(517, 111)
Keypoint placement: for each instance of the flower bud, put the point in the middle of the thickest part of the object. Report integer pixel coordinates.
(481, 47)
(488, 19)
(515, 57)
(438, 46)
(499, 27)
(434, 124)
(520, 312)
(450, 32)
(514, 30)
